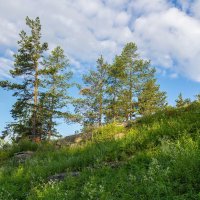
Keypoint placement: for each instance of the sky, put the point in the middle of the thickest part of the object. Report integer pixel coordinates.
(166, 31)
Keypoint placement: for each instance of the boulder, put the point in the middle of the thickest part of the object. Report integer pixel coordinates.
(73, 139)
(57, 177)
(75, 173)
(113, 164)
(62, 176)
(23, 156)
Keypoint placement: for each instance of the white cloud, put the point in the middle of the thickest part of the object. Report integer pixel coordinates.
(174, 75)
(171, 41)
(185, 5)
(117, 4)
(122, 19)
(195, 7)
(144, 7)
(5, 66)
(9, 53)
(86, 29)
(8, 32)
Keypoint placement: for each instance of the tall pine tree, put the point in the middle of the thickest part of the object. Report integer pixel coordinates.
(92, 105)
(26, 74)
(55, 98)
(114, 91)
(131, 87)
(129, 59)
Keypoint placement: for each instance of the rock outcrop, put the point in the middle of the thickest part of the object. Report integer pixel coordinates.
(62, 176)
(74, 139)
(23, 156)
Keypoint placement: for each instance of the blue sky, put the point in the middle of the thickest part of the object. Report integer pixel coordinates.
(166, 31)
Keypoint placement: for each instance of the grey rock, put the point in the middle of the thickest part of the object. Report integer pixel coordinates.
(73, 139)
(62, 176)
(23, 156)
(75, 173)
(57, 177)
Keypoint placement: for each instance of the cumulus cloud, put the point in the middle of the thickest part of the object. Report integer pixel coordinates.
(184, 5)
(5, 65)
(8, 32)
(171, 43)
(195, 7)
(143, 7)
(166, 34)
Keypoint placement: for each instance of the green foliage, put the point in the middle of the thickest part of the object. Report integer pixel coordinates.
(180, 102)
(150, 99)
(114, 92)
(158, 158)
(8, 150)
(119, 91)
(197, 97)
(41, 86)
(91, 107)
(54, 99)
(107, 132)
(26, 81)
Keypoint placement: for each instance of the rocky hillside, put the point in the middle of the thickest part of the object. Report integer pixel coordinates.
(156, 157)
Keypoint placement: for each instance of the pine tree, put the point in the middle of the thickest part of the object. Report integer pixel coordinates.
(181, 102)
(92, 106)
(26, 74)
(55, 99)
(114, 91)
(151, 99)
(197, 97)
(85, 110)
(129, 59)
(128, 76)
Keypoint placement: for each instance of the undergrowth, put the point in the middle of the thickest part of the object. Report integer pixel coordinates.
(158, 158)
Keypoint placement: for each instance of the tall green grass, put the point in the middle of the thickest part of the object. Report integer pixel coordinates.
(158, 158)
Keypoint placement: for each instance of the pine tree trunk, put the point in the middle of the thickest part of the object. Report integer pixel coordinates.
(127, 116)
(100, 113)
(50, 130)
(35, 101)
(51, 119)
(131, 96)
(114, 104)
(101, 107)
(52, 108)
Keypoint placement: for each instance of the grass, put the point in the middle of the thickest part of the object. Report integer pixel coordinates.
(158, 158)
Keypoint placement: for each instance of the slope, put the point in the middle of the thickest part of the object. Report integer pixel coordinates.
(156, 157)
